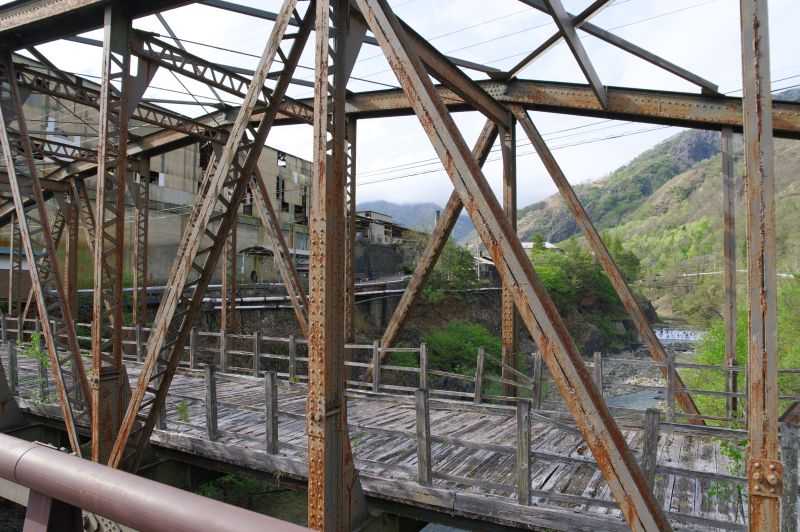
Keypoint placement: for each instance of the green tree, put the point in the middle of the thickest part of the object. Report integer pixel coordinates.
(454, 271)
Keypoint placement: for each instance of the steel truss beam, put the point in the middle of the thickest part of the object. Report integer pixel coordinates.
(335, 500)
(601, 433)
(764, 470)
(58, 327)
(44, 261)
(593, 9)
(602, 254)
(350, 233)
(224, 184)
(435, 245)
(141, 216)
(566, 28)
(580, 21)
(281, 253)
(15, 268)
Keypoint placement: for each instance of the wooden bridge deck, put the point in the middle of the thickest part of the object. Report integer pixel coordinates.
(474, 460)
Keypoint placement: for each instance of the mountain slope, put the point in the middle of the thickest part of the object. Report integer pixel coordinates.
(418, 216)
(610, 200)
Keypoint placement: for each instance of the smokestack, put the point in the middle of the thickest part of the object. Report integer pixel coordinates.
(436, 215)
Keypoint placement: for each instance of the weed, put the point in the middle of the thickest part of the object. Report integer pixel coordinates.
(183, 412)
(735, 452)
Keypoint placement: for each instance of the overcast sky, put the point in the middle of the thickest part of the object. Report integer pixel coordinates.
(395, 159)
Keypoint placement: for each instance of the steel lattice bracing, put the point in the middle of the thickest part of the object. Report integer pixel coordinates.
(537, 310)
(203, 242)
(58, 327)
(326, 317)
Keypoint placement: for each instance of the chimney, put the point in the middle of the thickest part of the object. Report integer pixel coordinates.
(436, 216)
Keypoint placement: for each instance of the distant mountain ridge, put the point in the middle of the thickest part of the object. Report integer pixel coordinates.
(417, 216)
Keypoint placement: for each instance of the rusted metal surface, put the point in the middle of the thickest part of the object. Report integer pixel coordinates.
(581, 21)
(602, 435)
(109, 232)
(350, 234)
(451, 76)
(508, 148)
(281, 254)
(141, 217)
(203, 242)
(729, 267)
(593, 9)
(762, 370)
(72, 387)
(130, 500)
(228, 320)
(600, 251)
(562, 20)
(45, 265)
(436, 243)
(15, 268)
(335, 500)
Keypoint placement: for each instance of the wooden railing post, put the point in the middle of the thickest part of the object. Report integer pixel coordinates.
(271, 409)
(37, 324)
(536, 400)
(598, 371)
(523, 452)
(376, 366)
(292, 358)
(193, 348)
(139, 345)
(652, 424)
(671, 387)
(256, 352)
(423, 366)
(20, 329)
(3, 331)
(13, 371)
(44, 386)
(223, 351)
(211, 402)
(789, 456)
(479, 376)
(423, 437)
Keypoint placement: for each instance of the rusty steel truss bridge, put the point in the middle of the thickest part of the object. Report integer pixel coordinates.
(101, 394)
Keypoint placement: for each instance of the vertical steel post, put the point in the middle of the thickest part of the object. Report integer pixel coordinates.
(142, 214)
(15, 269)
(71, 265)
(510, 357)
(350, 233)
(729, 249)
(764, 469)
(110, 222)
(335, 501)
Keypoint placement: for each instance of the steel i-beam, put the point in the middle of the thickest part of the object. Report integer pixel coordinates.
(335, 500)
(508, 148)
(764, 470)
(203, 242)
(600, 431)
(350, 233)
(729, 251)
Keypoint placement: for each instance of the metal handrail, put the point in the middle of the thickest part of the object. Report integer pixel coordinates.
(122, 497)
